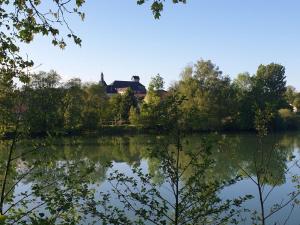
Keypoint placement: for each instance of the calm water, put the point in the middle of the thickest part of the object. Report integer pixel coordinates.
(234, 154)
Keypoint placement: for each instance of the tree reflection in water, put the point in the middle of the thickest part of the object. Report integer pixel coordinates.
(77, 164)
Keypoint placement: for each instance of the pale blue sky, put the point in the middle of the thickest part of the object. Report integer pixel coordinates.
(122, 39)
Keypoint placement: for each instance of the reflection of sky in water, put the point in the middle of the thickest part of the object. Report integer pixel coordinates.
(244, 187)
(241, 188)
(278, 195)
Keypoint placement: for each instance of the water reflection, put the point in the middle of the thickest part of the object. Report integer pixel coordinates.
(233, 155)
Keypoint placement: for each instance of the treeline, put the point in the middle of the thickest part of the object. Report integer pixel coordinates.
(210, 100)
(204, 98)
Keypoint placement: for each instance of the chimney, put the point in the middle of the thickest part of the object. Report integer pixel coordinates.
(135, 78)
(102, 77)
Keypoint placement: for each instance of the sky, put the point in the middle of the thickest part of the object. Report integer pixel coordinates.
(121, 39)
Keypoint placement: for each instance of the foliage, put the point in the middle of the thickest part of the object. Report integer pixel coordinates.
(57, 197)
(156, 83)
(73, 101)
(193, 197)
(42, 102)
(270, 87)
(288, 120)
(209, 101)
(133, 116)
(8, 103)
(94, 106)
(128, 100)
(229, 153)
(244, 117)
(158, 5)
(296, 101)
(115, 108)
(290, 94)
(208, 95)
(261, 174)
(21, 21)
(160, 113)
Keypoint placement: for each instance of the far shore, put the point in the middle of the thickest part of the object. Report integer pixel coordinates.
(116, 130)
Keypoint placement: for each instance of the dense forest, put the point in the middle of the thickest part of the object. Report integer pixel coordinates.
(206, 99)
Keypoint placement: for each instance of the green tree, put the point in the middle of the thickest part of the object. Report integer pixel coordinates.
(149, 113)
(269, 91)
(270, 86)
(260, 172)
(290, 94)
(296, 102)
(128, 101)
(157, 6)
(209, 96)
(156, 111)
(134, 116)
(95, 106)
(115, 108)
(9, 103)
(21, 21)
(73, 104)
(54, 198)
(156, 83)
(43, 102)
(243, 86)
(243, 82)
(192, 198)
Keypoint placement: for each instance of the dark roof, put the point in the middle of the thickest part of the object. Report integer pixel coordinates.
(110, 89)
(135, 86)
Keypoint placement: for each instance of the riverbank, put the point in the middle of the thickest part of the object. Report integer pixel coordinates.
(113, 130)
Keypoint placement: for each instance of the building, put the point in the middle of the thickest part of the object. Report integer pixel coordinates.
(120, 87)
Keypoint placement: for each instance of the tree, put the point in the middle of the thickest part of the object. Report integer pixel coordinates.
(150, 108)
(10, 121)
(209, 96)
(268, 92)
(133, 116)
(290, 94)
(264, 158)
(9, 103)
(156, 83)
(270, 86)
(287, 120)
(54, 192)
(293, 98)
(243, 82)
(192, 197)
(128, 101)
(95, 106)
(73, 104)
(158, 5)
(244, 117)
(54, 198)
(115, 108)
(296, 102)
(43, 102)
(21, 21)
